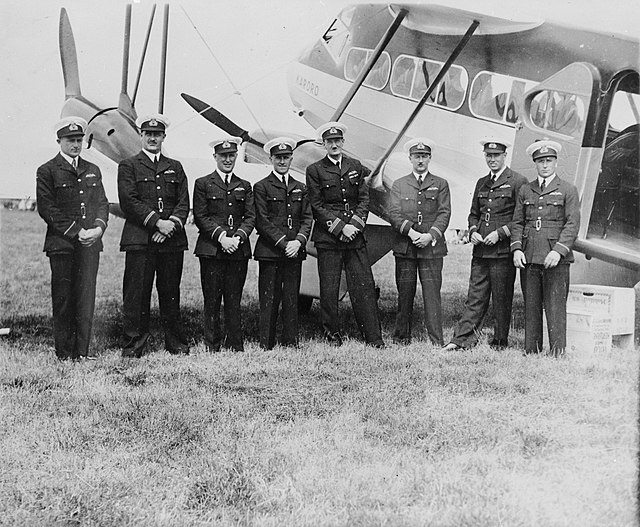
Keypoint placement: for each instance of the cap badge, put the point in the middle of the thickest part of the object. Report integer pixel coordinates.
(73, 127)
(153, 122)
(420, 146)
(492, 145)
(544, 150)
(333, 131)
(226, 144)
(282, 146)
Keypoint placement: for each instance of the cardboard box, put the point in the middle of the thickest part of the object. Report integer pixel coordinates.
(588, 333)
(619, 302)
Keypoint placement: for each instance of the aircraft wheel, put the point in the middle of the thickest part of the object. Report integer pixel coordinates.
(304, 304)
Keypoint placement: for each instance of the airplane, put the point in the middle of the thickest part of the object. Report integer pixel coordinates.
(454, 76)
(391, 72)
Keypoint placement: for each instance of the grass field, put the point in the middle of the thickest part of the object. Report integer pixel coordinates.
(317, 436)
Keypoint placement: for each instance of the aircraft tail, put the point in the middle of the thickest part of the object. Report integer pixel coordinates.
(69, 57)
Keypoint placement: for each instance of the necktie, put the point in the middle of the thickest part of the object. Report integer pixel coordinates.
(494, 178)
(226, 179)
(74, 163)
(284, 181)
(543, 185)
(419, 181)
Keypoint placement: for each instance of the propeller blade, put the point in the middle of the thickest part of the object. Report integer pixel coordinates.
(221, 121)
(68, 57)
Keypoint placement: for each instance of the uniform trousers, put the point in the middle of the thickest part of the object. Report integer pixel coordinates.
(490, 278)
(430, 272)
(548, 288)
(361, 291)
(141, 267)
(222, 279)
(73, 295)
(279, 282)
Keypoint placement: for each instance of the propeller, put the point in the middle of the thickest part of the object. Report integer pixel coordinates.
(68, 57)
(221, 121)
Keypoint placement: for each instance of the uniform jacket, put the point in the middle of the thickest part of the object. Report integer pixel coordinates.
(545, 221)
(425, 208)
(148, 194)
(282, 214)
(492, 209)
(218, 209)
(338, 197)
(70, 201)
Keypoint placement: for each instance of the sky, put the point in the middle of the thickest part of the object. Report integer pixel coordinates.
(231, 54)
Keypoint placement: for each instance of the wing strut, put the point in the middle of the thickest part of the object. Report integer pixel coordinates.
(443, 71)
(384, 41)
(144, 53)
(163, 63)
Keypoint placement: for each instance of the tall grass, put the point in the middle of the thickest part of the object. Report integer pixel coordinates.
(316, 436)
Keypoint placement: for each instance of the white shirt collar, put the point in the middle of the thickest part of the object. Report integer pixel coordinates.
(334, 161)
(547, 180)
(423, 175)
(498, 173)
(151, 155)
(69, 158)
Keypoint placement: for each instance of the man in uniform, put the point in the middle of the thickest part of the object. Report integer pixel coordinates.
(283, 221)
(154, 198)
(71, 200)
(545, 225)
(419, 210)
(492, 270)
(339, 197)
(224, 212)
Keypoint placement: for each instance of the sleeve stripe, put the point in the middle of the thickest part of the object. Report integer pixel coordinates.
(334, 225)
(437, 230)
(282, 238)
(243, 232)
(70, 227)
(359, 220)
(516, 243)
(213, 234)
(149, 216)
(563, 245)
(507, 231)
(404, 224)
(300, 234)
(102, 221)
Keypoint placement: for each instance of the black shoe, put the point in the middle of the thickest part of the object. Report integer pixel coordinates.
(452, 346)
(498, 344)
(333, 338)
(377, 344)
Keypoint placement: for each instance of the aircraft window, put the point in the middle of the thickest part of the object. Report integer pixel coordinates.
(489, 93)
(453, 87)
(625, 110)
(402, 76)
(379, 74)
(421, 83)
(356, 61)
(563, 113)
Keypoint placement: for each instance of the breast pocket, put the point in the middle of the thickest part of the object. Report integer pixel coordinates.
(555, 209)
(275, 205)
(431, 200)
(408, 206)
(215, 200)
(146, 186)
(330, 191)
(66, 189)
(530, 210)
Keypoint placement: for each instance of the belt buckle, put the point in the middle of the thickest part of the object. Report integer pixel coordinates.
(419, 218)
(160, 205)
(346, 207)
(290, 222)
(83, 211)
(230, 220)
(487, 216)
(538, 224)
